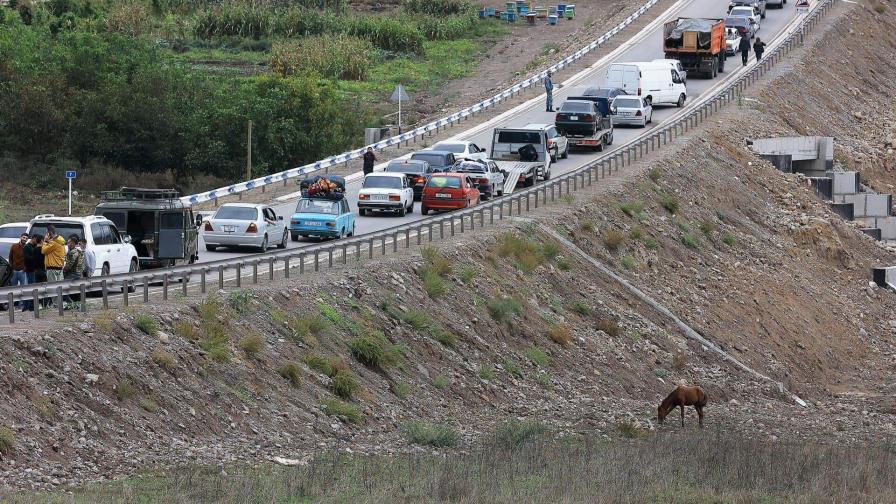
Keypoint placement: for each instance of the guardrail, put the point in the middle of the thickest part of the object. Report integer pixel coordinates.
(416, 132)
(387, 241)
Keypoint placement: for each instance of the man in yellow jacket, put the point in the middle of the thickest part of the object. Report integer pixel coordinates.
(53, 250)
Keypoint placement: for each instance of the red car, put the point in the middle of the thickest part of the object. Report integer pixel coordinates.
(449, 191)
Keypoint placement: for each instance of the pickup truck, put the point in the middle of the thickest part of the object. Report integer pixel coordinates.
(584, 123)
(522, 154)
(698, 43)
(489, 179)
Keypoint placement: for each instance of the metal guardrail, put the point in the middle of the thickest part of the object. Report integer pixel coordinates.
(416, 132)
(387, 241)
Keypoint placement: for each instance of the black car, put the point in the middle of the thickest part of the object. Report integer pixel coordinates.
(578, 118)
(439, 160)
(603, 97)
(416, 170)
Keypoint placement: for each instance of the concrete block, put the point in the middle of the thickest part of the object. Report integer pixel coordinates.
(844, 210)
(884, 276)
(878, 205)
(872, 232)
(845, 182)
(858, 204)
(783, 162)
(887, 226)
(823, 187)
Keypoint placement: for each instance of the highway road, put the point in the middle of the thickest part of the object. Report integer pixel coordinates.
(646, 45)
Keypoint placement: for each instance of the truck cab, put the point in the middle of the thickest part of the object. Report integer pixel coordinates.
(161, 227)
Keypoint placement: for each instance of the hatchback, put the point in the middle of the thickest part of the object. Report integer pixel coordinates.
(449, 191)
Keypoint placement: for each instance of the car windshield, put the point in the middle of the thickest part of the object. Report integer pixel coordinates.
(237, 213)
(572, 106)
(405, 168)
(307, 205)
(450, 147)
(627, 103)
(12, 231)
(468, 167)
(444, 182)
(433, 159)
(742, 11)
(381, 182)
(736, 21)
(599, 93)
(63, 229)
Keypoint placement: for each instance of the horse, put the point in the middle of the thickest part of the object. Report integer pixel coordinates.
(683, 396)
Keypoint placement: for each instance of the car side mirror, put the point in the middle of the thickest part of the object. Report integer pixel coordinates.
(612, 110)
(199, 220)
(279, 217)
(126, 238)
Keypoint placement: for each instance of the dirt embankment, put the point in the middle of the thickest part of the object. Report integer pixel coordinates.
(500, 323)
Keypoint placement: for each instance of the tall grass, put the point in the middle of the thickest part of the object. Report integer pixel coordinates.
(332, 56)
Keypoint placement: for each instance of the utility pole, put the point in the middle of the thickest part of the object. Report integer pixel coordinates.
(249, 153)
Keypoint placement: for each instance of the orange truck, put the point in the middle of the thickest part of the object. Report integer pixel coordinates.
(698, 43)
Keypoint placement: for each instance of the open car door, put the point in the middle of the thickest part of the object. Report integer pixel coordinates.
(171, 235)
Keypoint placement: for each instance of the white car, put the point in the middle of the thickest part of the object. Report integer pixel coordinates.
(489, 179)
(632, 110)
(462, 150)
(387, 191)
(113, 251)
(558, 145)
(12, 231)
(674, 63)
(244, 225)
(747, 12)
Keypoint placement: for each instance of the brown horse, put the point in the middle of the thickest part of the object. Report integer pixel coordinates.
(681, 397)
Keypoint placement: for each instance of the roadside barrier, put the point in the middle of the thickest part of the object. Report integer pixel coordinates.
(436, 125)
(289, 262)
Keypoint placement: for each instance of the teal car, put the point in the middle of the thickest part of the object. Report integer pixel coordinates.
(322, 218)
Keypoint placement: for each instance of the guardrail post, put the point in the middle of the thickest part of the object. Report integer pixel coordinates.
(330, 257)
(370, 249)
(344, 254)
(407, 238)
(527, 201)
(202, 281)
(491, 214)
(451, 221)
(575, 184)
(220, 277)
(254, 272)
(553, 196)
(429, 232)
(419, 235)
(302, 263)
(473, 221)
(164, 286)
(59, 306)
(105, 297)
(501, 210)
(145, 290)
(239, 275)
(184, 281)
(395, 242)
(482, 213)
(286, 267)
(271, 269)
(383, 245)
(11, 308)
(519, 205)
(35, 294)
(358, 251)
(316, 260)
(125, 293)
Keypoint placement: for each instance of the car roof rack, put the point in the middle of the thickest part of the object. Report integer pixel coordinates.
(137, 193)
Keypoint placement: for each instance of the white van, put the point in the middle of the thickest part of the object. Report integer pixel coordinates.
(658, 82)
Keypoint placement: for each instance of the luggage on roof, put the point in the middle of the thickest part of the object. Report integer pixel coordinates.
(331, 187)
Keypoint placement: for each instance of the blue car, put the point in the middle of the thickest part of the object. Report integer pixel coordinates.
(322, 218)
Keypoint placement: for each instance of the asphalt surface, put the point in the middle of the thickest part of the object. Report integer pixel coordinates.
(643, 46)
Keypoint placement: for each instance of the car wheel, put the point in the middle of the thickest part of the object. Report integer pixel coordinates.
(341, 234)
(211, 248)
(411, 207)
(362, 212)
(680, 102)
(423, 209)
(264, 244)
(282, 244)
(403, 211)
(650, 118)
(294, 236)
(610, 141)
(353, 229)
(104, 271)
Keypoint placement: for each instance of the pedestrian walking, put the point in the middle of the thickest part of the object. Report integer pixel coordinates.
(73, 268)
(369, 159)
(744, 47)
(758, 48)
(17, 262)
(549, 92)
(90, 258)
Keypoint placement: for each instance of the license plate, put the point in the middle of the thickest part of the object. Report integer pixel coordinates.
(443, 195)
(314, 223)
(379, 197)
(626, 114)
(573, 118)
(228, 229)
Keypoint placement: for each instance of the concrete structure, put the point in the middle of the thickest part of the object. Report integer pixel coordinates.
(812, 156)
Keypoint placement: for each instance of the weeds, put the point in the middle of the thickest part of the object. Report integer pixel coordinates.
(669, 202)
(631, 430)
(251, 344)
(537, 356)
(468, 274)
(587, 226)
(345, 384)
(543, 379)
(655, 174)
(512, 369)
(651, 244)
(563, 265)
(679, 361)
(560, 334)
(146, 323)
(629, 263)
(613, 239)
(689, 241)
(440, 382)
(7, 441)
(162, 358)
(400, 389)
(707, 227)
(660, 373)
(569, 199)
(609, 326)
(149, 405)
(636, 233)
(124, 390)
(186, 331)
(729, 239)
(416, 319)
(319, 363)
(426, 434)
(344, 410)
(208, 309)
(290, 372)
(434, 269)
(487, 372)
(215, 342)
(633, 209)
(580, 308)
(331, 56)
(514, 433)
(374, 351)
(504, 309)
(240, 300)
(527, 254)
(308, 327)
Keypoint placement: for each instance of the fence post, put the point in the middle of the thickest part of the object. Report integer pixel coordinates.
(145, 290)
(59, 306)
(286, 267)
(35, 294)
(302, 263)
(164, 287)
(254, 272)
(202, 281)
(11, 308)
(316, 260)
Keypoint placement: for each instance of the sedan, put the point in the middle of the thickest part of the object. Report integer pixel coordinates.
(449, 191)
(244, 225)
(758, 5)
(632, 110)
(462, 149)
(322, 218)
(747, 12)
(740, 25)
(386, 191)
(577, 118)
(417, 171)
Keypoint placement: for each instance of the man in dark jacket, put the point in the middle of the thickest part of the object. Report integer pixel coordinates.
(369, 159)
(17, 262)
(549, 92)
(758, 48)
(33, 259)
(744, 47)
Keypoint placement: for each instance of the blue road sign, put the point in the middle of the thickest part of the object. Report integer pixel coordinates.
(70, 174)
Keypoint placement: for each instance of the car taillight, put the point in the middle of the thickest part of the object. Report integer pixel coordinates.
(589, 117)
(639, 91)
(419, 180)
(557, 117)
(550, 143)
(208, 226)
(252, 228)
(394, 197)
(364, 196)
(638, 113)
(482, 181)
(331, 224)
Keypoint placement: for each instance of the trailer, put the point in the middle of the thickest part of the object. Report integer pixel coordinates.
(522, 155)
(603, 134)
(698, 43)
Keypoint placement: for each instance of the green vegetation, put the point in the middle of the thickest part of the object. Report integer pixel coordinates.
(124, 389)
(654, 174)
(633, 209)
(146, 323)
(435, 268)
(586, 225)
(660, 372)
(609, 326)
(636, 233)
(729, 239)
(319, 363)
(537, 356)
(345, 384)
(708, 227)
(651, 244)
(629, 263)
(563, 265)
(487, 372)
(215, 341)
(290, 372)
(307, 328)
(689, 241)
(240, 300)
(401, 389)
(560, 334)
(526, 253)
(162, 358)
(251, 344)
(440, 382)
(468, 274)
(504, 309)
(347, 411)
(679, 361)
(580, 308)
(512, 368)
(186, 330)
(543, 379)
(514, 433)
(422, 322)
(427, 434)
(7, 440)
(669, 202)
(374, 351)
(613, 239)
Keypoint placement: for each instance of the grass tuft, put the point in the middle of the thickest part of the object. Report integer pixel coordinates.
(689, 241)
(629, 263)
(609, 326)
(636, 233)
(400, 389)
(374, 351)
(669, 202)
(679, 361)
(729, 239)
(537, 356)
(580, 308)
(504, 309)
(633, 209)
(341, 409)
(7, 441)
(560, 334)
(440, 382)
(513, 433)
(186, 331)
(124, 390)
(707, 227)
(487, 372)
(512, 368)
(290, 372)
(251, 344)
(345, 384)
(162, 358)
(427, 434)
(146, 323)
(655, 174)
(631, 430)
(613, 239)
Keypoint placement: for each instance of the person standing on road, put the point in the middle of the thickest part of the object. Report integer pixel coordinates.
(40, 271)
(33, 258)
(53, 250)
(744, 47)
(549, 91)
(74, 264)
(369, 159)
(17, 262)
(758, 48)
(90, 258)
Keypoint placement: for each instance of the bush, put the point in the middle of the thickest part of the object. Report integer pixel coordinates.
(636, 233)
(7, 440)
(400, 389)
(215, 342)
(331, 56)
(613, 239)
(251, 344)
(537, 356)
(504, 309)
(240, 300)
(433, 283)
(147, 324)
(654, 174)
(669, 202)
(374, 351)
(629, 263)
(679, 361)
(337, 408)
(427, 434)
(707, 227)
(580, 308)
(487, 372)
(633, 209)
(445, 28)
(690, 241)
(609, 326)
(729, 239)
(162, 358)
(345, 384)
(124, 390)
(560, 334)
(319, 363)
(186, 331)
(512, 369)
(514, 433)
(290, 372)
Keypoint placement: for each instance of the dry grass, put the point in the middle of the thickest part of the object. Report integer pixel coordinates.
(162, 358)
(290, 372)
(560, 334)
(679, 361)
(609, 326)
(7, 441)
(251, 344)
(613, 239)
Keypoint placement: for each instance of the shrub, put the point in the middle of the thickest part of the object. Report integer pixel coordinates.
(373, 350)
(629, 263)
(240, 300)
(729, 239)
(537, 356)
(669, 202)
(440, 265)
(440, 382)
(654, 174)
(504, 309)
(514, 433)
(7, 440)
(345, 383)
(400, 389)
(318, 363)
(543, 379)
(707, 227)
(427, 434)
(337, 408)
(609, 326)
(290, 372)
(633, 209)
(550, 250)
(208, 309)
(563, 265)
(613, 239)
(215, 342)
(308, 327)
(331, 56)
(636, 233)
(416, 319)
(433, 283)
(651, 244)
(679, 361)
(444, 337)
(560, 334)
(468, 274)
(527, 254)
(124, 390)
(586, 225)
(487, 372)
(631, 430)
(251, 344)
(690, 241)
(445, 27)
(186, 330)
(580, 308)
(146, 323)
(162, 358)
(512, 368)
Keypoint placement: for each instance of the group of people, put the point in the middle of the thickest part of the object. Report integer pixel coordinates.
(50, 258)
(744, 47)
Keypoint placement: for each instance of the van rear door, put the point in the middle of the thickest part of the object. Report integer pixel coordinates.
(171, 235)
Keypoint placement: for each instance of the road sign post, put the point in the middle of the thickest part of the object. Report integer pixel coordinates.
(399, 95)
(70, 175)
